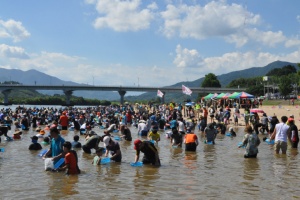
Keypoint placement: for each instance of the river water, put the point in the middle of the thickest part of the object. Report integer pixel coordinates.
(213, 171)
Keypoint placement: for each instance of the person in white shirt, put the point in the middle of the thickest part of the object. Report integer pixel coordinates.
(142, 128)
(280, 135)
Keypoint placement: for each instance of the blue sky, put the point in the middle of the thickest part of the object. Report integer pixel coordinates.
(150, 43)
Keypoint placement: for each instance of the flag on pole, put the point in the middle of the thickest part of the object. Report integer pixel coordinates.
(186, 90)
(160, 93)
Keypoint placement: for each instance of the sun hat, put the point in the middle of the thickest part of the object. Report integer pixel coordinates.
(18, 132)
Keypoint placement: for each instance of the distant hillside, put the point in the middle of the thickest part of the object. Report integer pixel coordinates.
(224, 79)
(32, 77)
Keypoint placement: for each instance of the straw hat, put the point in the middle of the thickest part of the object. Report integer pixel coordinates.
(42, 132)
(17, 132)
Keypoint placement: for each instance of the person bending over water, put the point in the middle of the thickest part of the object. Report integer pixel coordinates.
(149, 150)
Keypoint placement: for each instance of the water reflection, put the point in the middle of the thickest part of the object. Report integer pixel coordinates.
(190, 161)
(251, 169)
(210, 156)
(61, 185)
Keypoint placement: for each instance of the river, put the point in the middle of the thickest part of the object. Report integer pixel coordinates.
(212, 172)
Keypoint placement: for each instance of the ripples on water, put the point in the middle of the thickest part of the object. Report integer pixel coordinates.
(213, 172)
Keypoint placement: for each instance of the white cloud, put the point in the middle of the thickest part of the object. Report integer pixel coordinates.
(238, 61)
(215, 19)
(90, 1)
(123, 15)
(292, 43)
(267, 38)
(12, 52)
(186, 58)
(298, 18)
(13, 29)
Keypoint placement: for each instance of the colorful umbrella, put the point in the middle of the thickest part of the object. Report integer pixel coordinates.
(257, 110)
(245, 95)
(226, 96)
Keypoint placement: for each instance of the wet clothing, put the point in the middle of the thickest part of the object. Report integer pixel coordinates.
(56, 147)
(222, 128)
(154, 136)
(71, 159)
(191, 142)
(142, 129)
(294, 135)
(273, 123)
(35, 146)
(150, 153)
(176, 137)
(210, 134)
(76, 144)
(127, 134)
(91, 143)
(251, 141)
(113, 147)
(64, 122)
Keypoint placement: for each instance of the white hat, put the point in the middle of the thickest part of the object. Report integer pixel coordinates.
(106, 140)
(230, 129)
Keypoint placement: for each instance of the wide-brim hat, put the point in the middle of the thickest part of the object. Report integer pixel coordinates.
(18, 132)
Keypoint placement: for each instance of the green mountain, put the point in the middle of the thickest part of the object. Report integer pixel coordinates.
(224, 79)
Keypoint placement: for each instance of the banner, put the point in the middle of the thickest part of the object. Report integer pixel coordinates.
(159, 93)
(186, 90)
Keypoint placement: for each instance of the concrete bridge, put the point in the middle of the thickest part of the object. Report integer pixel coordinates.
(68, 89)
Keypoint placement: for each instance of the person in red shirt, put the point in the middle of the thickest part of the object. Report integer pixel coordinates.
(129, 117)
(205, 113)
(190, 140)
(64, 121)
(71, 160)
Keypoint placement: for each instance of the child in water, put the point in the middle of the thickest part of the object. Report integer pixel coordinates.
(232, 132)
(98, 157)
(75, 143)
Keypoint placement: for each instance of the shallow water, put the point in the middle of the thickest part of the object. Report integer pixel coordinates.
(214, 171)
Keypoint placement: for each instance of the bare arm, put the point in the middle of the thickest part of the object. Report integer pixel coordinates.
(272, 137)
(137, 157)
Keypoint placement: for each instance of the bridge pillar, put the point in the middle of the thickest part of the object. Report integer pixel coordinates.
(6, 93)
(122, 94)
(68, 94)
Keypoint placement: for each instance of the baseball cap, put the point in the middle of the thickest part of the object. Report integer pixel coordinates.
(136, 143)
(106, 140)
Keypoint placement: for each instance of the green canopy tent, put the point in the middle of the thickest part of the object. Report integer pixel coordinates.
(220, 96)
(234, 95)
(208, 96)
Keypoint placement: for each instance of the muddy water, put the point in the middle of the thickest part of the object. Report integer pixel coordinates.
(213, 172)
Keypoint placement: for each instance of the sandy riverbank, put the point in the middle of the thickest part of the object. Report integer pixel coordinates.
(279, 111)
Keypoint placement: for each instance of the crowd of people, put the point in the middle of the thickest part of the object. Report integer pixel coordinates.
(178, 122)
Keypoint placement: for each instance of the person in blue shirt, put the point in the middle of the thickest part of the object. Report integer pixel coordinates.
(56, 145)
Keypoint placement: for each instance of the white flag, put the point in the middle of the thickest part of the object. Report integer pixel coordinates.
(186, 90)
(159, 93)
